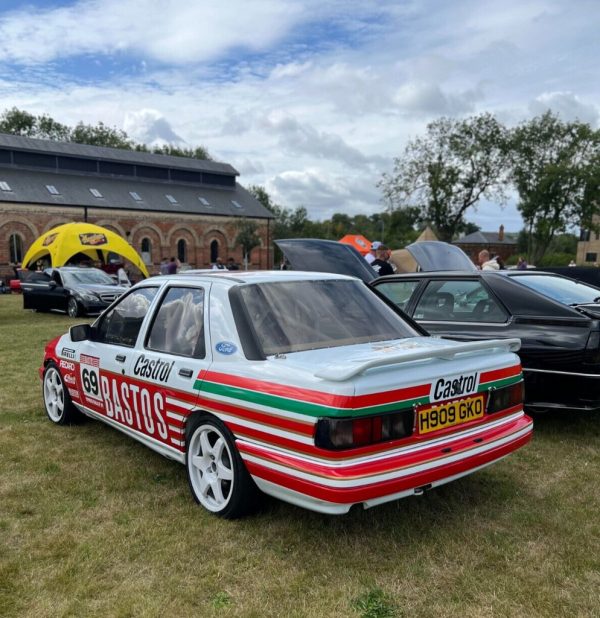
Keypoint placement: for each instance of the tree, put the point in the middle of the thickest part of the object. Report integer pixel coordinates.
(449, 170)
(247, 238)
(556, 172)
(20, 122)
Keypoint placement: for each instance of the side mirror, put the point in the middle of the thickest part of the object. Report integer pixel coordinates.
(81, 332)
(52, 284)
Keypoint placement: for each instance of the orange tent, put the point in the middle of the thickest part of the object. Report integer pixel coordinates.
(358, 241)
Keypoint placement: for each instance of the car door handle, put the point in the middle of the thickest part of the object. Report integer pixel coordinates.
(120, 358)
(186, 373)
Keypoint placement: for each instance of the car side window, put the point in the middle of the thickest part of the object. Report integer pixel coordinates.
(399, 292)
(458, 301)
(178, 327)
(121, 325)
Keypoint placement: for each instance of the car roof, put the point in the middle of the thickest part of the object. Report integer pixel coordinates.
(237, 277)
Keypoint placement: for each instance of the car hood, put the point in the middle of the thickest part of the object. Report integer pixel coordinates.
(317, 255)
(98, 288)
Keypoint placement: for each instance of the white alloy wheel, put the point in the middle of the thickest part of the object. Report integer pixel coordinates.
(210, 467)
(57, 401)
(54, 394)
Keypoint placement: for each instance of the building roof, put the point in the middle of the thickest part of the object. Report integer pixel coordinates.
(486, 238)
(32, 187)
(35, 171)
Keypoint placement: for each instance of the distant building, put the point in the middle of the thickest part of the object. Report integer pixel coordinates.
(497, 243)
(163, 205)
(588, 247)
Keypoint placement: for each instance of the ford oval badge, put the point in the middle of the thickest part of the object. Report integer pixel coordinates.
(226, 347)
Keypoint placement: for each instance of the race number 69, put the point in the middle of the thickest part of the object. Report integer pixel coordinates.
(90, 380)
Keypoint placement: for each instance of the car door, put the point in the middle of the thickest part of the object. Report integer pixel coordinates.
(35, 286)
(169, 359)
(104, 361)
(57, 295)
(461, 308)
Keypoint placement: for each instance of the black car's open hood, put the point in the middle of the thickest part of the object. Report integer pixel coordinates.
(328, 256)
(325, 256)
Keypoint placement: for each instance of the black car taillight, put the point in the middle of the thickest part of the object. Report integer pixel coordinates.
(344, 433)
(505, 397)
(592, 349)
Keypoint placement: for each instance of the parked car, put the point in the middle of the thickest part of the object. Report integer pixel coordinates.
(77, 291)
(556, 318)
(305, 386)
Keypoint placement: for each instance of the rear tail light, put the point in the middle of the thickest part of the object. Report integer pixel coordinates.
(505, 397)
(344, 433)
(592, 349)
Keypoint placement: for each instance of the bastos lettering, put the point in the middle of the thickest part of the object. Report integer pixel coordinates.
(155, 369)
(135, 406)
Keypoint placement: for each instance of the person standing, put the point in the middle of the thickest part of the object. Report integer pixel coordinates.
(371, 256)
(164, 266)
(380, 264)
(218, 265)
(485, 263)
(522, 263)
(231, 265)
(172, 267)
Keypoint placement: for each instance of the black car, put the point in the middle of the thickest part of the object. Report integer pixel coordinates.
(556, 318)
(78, 291)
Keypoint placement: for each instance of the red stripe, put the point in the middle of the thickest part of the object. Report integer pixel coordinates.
(500, 374)
(376, 490)
(397, 462)
(286, 424)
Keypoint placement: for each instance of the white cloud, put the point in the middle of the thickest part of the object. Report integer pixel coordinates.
(149, 126)
(567, 105)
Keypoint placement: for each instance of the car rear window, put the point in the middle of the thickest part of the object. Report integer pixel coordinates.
(293, 316)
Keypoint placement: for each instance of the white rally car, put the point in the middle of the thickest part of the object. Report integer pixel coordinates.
(306, 386)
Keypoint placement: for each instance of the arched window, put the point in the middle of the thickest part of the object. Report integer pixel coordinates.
(182, 250)
(214, 251)
(146, 251)
(15, 248)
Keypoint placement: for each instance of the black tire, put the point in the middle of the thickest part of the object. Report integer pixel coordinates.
(217, 476)
(73, 307)
(57, 401)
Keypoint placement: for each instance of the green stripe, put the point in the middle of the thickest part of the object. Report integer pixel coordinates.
(316, 410)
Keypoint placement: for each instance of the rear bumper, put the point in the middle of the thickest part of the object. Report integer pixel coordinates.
(547, 389)
(333, 487)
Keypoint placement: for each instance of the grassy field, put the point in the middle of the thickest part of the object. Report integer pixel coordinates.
(94, 524)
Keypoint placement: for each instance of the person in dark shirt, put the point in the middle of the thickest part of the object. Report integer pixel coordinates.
(380, 264)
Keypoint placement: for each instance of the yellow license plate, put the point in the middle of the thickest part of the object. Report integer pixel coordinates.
(443, 415)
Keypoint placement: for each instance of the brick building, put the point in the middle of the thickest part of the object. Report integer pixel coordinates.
(497, 243)
(164, 206)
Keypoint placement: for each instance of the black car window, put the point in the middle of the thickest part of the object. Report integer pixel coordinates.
(57, 278)
(121, 325)
(458, 300)
(178, 327)
(566, 291)
(399, 292)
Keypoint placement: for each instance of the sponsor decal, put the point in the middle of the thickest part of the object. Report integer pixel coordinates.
(92, 238)
(226, 347)
(454, 386)
(135, 406)
(49, 239)
(154, 369)
(68, 353)
(89, 372)
(68, 365)
(74, 393)
(69, 379)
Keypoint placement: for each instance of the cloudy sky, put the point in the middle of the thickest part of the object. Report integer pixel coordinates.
(310, 98)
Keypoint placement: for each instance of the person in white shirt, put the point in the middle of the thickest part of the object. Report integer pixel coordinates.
(372, 255)
(485, 263)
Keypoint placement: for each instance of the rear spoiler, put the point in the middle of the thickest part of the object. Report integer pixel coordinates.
(337, 373)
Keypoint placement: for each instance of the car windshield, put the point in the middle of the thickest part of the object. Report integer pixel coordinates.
(566, 291)
(293, 316)
(90, 276)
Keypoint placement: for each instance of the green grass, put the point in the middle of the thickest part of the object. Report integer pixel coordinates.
(94, 524)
